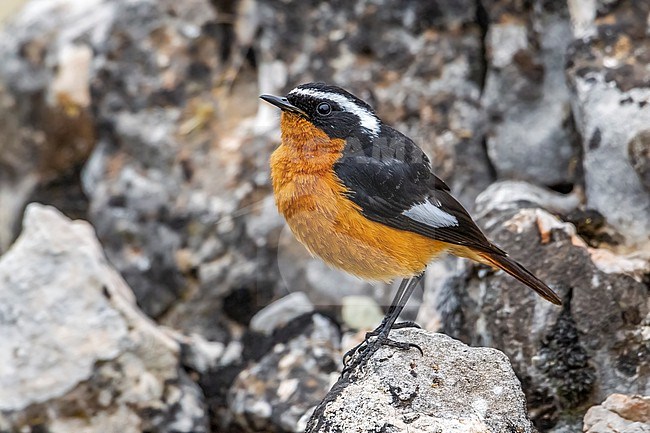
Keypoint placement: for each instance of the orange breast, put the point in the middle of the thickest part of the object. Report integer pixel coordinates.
(312, 200)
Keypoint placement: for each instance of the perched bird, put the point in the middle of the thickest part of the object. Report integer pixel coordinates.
(362, 196)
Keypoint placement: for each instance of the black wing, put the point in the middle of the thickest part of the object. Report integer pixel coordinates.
(393, 184)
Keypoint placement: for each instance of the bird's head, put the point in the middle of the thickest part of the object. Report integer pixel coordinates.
(330, 109)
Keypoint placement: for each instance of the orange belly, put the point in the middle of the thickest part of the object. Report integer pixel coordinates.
(312, 200)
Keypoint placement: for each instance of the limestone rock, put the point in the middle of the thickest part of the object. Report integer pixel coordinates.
(281, 312)
(531, 134)
(46, 118)
(278, 392)
(566, 356)
(360, 312)
(639, 154)
(76, 353)
(116, 78)
(452, 388)
(512, 194)
(608, 74)
(619, 413)
(151, 68)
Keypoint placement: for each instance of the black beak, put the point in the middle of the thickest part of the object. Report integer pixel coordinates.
(283, 104)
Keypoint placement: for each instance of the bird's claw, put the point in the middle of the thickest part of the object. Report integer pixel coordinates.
(402, 345)
(366, 348)
(406, 324)
(400, 325)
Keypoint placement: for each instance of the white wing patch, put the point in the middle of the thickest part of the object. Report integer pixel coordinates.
(431, 215)
(367, 119)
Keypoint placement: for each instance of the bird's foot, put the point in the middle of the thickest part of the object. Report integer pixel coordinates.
(378, 330)
(400, 325)
(361, 353)
(384, 341)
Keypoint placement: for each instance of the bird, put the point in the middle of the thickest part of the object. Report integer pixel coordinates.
(363, 197)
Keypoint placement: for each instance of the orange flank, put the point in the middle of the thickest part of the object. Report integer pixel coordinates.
(313, 201)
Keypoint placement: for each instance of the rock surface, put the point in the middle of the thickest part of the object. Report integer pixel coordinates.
(568, 357)
(47, 121)
(610, 79)
(278, 392)
(525, 82)
(452, 388)
(145, 90)
(281, 312)
(619, 413)
(76, 353)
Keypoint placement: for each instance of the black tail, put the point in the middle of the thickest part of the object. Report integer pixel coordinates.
(522, 274)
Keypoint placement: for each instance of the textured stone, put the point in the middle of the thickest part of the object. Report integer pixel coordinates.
(143, 91)
(452, 388)
(610, 79)
(512, 194)
(278, 392)
(360, 312)
(531, 132)
(47, 124)
(634, 408)
(566, 357)
(619, 413)
(281, 312)
(504, 196)
(639, 154)
(69, 320)
(201, 355)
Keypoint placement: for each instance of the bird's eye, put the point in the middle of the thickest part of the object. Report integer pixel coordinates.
(324, 109)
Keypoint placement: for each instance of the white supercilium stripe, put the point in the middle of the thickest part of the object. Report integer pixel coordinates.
(431, 215)
(367, 119)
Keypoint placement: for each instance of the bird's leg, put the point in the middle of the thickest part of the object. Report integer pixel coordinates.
(398, 304)
(400, 325)
(395, 304)
(406, 288)
(391, 309)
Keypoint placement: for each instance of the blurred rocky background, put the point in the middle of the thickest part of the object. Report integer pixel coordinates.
(182, 304)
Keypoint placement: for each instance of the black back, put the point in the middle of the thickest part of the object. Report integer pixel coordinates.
(386, 173)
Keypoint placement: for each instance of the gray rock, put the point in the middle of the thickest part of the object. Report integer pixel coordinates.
(566, 357)
(638, 150)
(531, 134)
(140, 242)
(137, 178)
(160, 196)
(437, 279)
(116, 77)
(608, 75)
(47, 122)
(281, 312)
(201, 355)
(445, 274)
(278, 392)
(360, 312)
(619, 413)
(77, 354)
(512, 194)
(452, 388)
